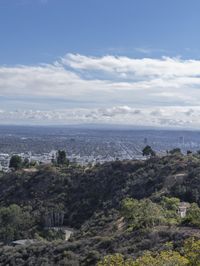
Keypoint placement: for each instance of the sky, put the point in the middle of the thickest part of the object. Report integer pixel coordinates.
(113, 62)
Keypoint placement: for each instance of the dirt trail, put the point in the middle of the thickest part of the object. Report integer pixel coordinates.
(184, 230)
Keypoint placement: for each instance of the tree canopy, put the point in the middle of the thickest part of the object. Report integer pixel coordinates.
(15, 162)
(148, 151)
(61, 157)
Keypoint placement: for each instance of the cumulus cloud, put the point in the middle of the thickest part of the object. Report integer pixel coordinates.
(145, 81)
(145, 67)
(116, 89)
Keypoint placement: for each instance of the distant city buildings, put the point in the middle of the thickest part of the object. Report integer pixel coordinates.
(89, 146)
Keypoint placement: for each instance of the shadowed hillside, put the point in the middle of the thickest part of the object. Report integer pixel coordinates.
(90, 199)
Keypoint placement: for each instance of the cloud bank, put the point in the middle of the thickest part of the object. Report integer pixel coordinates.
(148, 91)
(179, 117)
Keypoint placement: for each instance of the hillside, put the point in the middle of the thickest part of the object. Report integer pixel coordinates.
(90, 201)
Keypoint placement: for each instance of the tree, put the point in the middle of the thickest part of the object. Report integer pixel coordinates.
(115, 260)
(61, 157)
(167, 258)
(189, 152)
(175, 151)
(192, 251)
(142, 213)
(15, 162)
(147, 151)
(26, 162)
(15, 223)
(170, 206)
(171, 203)
(193, 215)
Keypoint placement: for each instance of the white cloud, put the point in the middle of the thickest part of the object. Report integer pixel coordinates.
(178, 117)
(146, 67)
(115, 89)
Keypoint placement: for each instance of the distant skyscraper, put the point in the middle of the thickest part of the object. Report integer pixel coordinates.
(182, 140)
(145, 140)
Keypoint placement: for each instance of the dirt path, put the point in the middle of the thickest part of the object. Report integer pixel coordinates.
(184, 230)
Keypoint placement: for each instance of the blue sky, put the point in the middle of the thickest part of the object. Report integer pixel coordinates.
(100, 61)
(35, 31)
